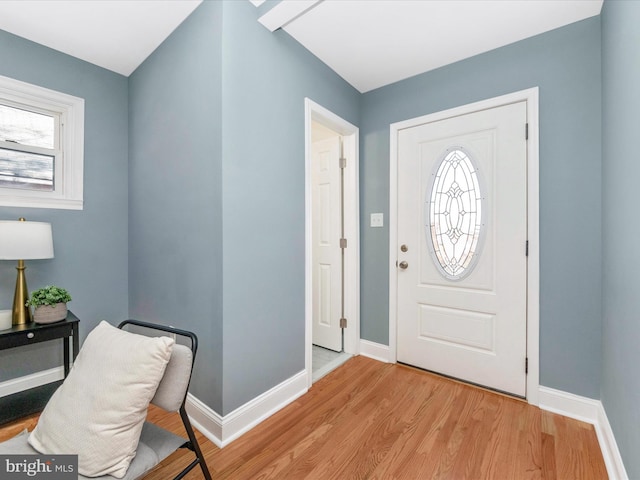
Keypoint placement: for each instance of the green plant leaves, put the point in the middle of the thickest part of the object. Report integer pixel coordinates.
(49, 295)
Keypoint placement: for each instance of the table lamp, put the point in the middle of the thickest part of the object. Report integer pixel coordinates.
(21, 240)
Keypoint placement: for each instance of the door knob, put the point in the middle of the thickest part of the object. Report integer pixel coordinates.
(403, 265)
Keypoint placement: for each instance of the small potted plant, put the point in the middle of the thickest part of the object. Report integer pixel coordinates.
(50, 304)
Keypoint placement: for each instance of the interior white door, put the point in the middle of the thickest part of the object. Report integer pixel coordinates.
(462, 219)
(327, 256)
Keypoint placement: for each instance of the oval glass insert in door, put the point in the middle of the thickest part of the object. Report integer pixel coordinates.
(454, 227)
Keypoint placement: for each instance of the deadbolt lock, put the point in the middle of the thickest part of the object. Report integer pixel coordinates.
(404, 248)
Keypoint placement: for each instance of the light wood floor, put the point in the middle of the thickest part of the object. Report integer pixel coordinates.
(369, 420)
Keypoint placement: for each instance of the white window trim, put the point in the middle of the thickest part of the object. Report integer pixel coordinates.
(68, 192)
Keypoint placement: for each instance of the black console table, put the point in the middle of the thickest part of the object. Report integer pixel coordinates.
(34, 399)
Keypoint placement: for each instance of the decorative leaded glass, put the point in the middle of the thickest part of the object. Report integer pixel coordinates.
(454, 214)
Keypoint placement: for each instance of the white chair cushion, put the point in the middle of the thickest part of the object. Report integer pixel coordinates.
(98, 411)
(174, 383)
(155, 445)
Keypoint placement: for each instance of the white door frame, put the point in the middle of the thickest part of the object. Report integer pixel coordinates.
(350, 133)
(533, 264)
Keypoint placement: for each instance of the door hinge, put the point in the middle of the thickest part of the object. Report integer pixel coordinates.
(526, 248)
(343, 162)
(343, 323)
(343, 243)
(526, 365)
(526, 131)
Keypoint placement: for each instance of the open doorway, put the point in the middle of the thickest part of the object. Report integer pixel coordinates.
(332, 253)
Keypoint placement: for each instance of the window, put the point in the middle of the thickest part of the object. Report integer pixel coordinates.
(41, 147)
(454, 214)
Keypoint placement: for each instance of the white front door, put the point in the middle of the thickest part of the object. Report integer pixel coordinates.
(462, 232)
(327, 255)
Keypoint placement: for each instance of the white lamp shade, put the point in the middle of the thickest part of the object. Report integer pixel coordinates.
(25, 240)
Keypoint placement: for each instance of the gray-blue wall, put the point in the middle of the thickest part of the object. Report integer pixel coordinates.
(565, 65)
(175, 238)
(91, 245)
(217, 194)
(621, 258)
(266, 77)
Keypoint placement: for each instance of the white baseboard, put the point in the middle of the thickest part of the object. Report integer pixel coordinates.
(377, 351)
(15, 385)
(570, 405)
(207, 421)
(590, 411)
(609, 447)
(220, 430)
(223, 430)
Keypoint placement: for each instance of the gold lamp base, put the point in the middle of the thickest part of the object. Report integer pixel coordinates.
(21, 312)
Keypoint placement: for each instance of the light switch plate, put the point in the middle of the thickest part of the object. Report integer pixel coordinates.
(377, 220)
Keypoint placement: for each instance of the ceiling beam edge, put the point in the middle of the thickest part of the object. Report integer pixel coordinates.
(285, 12)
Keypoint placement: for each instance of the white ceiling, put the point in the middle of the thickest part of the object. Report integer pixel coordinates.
(369, 43)
(115, 34)
(377, 42)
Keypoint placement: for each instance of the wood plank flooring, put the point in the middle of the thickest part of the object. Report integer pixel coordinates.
(369, 420)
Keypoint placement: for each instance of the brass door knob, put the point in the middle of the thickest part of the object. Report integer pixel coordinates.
(403, 265)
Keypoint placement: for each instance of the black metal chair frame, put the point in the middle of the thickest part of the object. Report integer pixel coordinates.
(192, 444)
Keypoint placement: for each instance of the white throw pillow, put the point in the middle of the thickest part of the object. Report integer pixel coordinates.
(98, 411)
